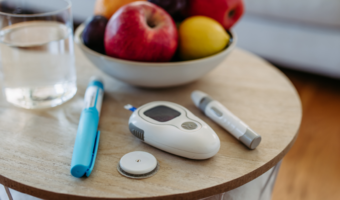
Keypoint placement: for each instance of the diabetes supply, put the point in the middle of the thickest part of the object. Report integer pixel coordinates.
(174, 129)
(87, 139)
(138, 165)
(221, 115)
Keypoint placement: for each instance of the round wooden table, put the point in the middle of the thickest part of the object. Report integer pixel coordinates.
(36, 146)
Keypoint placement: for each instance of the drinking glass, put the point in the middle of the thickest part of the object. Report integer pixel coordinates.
(36, 52)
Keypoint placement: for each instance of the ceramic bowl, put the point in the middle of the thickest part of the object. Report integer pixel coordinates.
(153, 74)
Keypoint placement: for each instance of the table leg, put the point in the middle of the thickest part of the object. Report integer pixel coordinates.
(8, 193)
(260, 188)
(272, 178)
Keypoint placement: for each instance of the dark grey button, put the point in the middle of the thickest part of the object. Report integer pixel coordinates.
(217, 111)
(189, 125)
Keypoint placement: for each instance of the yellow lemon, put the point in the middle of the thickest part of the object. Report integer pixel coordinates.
(201, 36)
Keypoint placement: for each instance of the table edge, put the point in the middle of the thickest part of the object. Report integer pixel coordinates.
(224, 187)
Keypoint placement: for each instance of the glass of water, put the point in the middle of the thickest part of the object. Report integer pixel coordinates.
(36, 52)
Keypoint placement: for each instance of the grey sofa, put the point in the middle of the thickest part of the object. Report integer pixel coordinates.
(298, 34)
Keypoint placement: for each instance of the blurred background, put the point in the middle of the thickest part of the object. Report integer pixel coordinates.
(302, 39)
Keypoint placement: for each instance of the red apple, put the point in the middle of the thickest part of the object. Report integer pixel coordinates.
(141, 31)
(227, 12)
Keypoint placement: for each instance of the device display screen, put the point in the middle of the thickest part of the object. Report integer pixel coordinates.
(162, 113)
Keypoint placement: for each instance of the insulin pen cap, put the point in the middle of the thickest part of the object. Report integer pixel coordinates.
(200, 99)
(96, 81)
(250, 138)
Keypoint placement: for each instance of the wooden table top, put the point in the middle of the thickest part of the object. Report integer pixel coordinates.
(36, 146)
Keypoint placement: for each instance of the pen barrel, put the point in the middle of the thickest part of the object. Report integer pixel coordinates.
(85, 141)
(84, 150)
(221, 115)
(226, 119)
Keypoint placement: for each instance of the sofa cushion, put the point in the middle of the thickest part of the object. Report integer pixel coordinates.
(320, 12)
(298, 46)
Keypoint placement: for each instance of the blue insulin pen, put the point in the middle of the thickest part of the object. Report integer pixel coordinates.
(87, 139)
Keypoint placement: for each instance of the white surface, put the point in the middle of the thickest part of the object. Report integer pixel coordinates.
(318, 12)
(154, 75)
(199, 143)
(138, 162)
(293, 45)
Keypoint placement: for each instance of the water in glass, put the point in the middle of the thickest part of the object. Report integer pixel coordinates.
(38, 63)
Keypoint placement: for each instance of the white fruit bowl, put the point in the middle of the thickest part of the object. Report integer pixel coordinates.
(153, 74)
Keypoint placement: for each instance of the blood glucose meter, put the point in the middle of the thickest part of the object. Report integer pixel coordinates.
(174, 129)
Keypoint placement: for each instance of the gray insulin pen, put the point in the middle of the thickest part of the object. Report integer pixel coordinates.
(221, 115)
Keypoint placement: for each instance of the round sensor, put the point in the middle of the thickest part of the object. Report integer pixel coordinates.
(138, 164)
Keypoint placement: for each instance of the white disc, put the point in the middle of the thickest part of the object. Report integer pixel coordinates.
(138, 162)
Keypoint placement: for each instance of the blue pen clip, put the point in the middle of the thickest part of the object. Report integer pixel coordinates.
(94, 155)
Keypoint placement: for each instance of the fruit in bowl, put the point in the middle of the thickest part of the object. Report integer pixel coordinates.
(154, 74)
(144, 48)
(226, 12)
(200, 37)
(94, 33)
(141, 31)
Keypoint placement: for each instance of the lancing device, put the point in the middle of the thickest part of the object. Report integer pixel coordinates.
(221, 115)
(87, 139)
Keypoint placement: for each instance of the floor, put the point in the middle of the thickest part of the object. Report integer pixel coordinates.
(311, 169)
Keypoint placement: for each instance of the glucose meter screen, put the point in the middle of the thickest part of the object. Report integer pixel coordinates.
(162, 113)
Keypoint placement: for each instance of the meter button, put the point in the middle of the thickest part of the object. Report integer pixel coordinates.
(189, 125)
